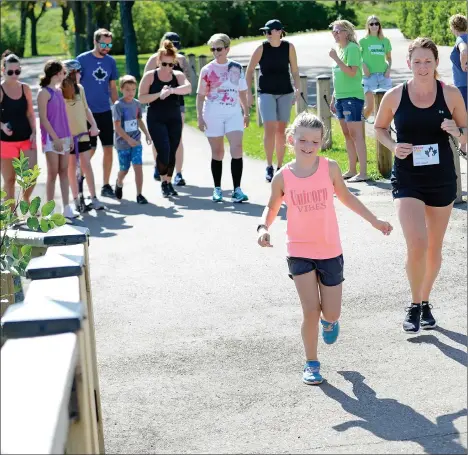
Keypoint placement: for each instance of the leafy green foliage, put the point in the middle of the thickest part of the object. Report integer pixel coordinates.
(13, 257)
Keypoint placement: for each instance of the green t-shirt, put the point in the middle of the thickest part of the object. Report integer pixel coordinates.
(374, 51)
(347, 86)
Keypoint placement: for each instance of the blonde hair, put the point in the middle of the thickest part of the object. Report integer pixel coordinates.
(167, 49)
(127, 79)
(348, 27)
(458, 23)
(424, 43)
(305, 120)
(375, 18)
(220, 37)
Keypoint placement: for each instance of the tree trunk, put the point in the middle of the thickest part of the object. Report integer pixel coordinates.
(90, 25)
(65, 14)
(34, 20)
(34, 52)
(78, 13)
(24, 11)
(131, 48)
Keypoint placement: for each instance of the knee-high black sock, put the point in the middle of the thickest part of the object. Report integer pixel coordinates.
(237, 164)
(217, 171)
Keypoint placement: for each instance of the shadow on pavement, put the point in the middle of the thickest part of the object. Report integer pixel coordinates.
(460, 338)
(390, 420)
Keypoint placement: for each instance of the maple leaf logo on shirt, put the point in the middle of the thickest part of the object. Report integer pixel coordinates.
(100, 74)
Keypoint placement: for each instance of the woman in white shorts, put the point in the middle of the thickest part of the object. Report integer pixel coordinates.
(222, 90)
(376, 62)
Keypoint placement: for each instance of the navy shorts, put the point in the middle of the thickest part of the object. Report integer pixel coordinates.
(84, 146)
(329, 271)
(349, 109)
(432, 197)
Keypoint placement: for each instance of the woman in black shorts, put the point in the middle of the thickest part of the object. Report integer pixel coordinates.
(424, 180)
(161, 89)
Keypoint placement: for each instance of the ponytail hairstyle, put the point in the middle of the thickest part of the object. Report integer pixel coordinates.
(9, 57)
(424, 43)
(167, 49)
(306, 120)
(51, 69)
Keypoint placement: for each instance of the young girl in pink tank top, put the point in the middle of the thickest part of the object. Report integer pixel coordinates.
(315, 258)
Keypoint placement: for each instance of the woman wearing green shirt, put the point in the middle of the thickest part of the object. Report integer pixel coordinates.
(348, 97)
(376, 62)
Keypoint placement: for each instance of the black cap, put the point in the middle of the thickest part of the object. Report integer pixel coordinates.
(174, 37)
(274, 24)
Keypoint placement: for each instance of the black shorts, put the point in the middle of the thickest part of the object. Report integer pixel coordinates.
(106, 126)
(432, 197)
(329, 271)
(83, 147)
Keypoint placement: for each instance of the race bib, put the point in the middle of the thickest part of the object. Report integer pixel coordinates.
(425, 155)
(130, 126)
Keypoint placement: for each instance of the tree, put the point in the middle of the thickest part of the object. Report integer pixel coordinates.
(24, 9)
(130, 39)
(31, 15)
(90, 24)
(79, 15)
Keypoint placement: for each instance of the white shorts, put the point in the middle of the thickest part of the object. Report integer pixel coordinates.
(49, 146)
(218, 126)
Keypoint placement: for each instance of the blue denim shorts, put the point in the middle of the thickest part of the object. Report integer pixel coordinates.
(349, 109)
(132, 155)
(329, 271)
(375, 81)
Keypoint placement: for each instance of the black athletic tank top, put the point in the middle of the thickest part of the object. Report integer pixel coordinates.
(15, 112)
(421, 126)
(168, 108)
(177, 67)
(274, 75)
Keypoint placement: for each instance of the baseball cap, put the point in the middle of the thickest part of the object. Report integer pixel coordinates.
(174, 37)
(274, 24)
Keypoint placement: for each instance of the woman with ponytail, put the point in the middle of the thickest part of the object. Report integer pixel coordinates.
(18, 123)
(57, 139)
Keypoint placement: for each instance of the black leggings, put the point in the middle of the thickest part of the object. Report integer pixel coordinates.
(166, 135)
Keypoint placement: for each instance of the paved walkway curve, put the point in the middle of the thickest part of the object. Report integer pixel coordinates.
(198, 329)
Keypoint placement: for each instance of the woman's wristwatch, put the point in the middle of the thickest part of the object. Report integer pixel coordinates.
(462, 132)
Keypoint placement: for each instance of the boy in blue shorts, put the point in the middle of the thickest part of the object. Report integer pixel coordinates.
(127, 123)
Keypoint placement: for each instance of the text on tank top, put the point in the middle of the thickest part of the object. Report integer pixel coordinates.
(14, 112)
(274, 77)
(169, 107)
(312, 226)
(431, 164)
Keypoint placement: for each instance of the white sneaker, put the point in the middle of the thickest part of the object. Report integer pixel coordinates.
(96, 203)
(70, 212)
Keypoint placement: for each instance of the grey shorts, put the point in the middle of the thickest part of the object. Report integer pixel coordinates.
(329, 271)
(275, 107)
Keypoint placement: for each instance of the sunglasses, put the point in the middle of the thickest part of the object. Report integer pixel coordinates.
(170, 65)
(104, 45)
(268, 32)
(11, 72)
(217, 49)
(377, 24)
(336, 31)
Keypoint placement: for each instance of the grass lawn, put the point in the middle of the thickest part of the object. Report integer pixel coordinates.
(253, 141)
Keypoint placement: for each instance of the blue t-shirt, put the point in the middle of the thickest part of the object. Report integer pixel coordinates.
(459, 76)
(96, 74)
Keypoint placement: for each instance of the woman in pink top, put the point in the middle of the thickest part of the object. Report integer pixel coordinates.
(315, 257)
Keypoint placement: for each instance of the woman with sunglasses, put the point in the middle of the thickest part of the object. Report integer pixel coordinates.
(18, 123)
(276, 95)
(222, 90)
(161, 89)
(79, 115)
(348, 97)
(376, 62)
(183, 66)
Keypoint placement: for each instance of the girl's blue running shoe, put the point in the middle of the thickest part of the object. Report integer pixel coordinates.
(311, 373)
(330, 331)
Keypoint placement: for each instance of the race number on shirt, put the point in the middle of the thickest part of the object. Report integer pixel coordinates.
(425, 155)
(131, 125)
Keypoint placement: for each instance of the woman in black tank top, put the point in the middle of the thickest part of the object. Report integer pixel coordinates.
(18, 123)
(182, 66)
(426, 113)
(161, 89)
(276, 95)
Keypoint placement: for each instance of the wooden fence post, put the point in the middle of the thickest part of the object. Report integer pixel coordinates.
(384, 155)
(257, 110)
(302, 104)
(193, 71)
(323, 83)
(201, 62)
(456, 159)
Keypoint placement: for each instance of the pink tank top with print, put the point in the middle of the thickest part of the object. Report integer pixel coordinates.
(312, 230)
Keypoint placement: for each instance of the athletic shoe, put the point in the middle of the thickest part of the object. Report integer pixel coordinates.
(165, 189)
(107, 191)
(97, 204)
(172, 191)
(412, 320)
(238, 195)
(269, 173)
(330, 331)
(118, 191)
(217, 194)
(70, 212)
(179, 180)
(277, 170)
(427, 319)
(141, 199)
(311, 374)
(156, 175)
